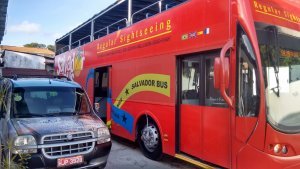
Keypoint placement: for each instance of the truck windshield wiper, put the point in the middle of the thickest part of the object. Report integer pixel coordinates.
(84, 113)
(64, 113)
(32, 115)
(67, 113)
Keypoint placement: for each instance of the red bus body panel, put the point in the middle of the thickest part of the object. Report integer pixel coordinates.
(151, 48)
(258, 151)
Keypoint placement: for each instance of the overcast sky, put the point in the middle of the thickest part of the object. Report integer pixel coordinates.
(43, 21)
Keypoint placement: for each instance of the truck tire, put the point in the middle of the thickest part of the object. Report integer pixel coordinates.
(150, 141)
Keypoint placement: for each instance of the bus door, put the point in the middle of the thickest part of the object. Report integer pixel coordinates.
(101, 91)
(203, 116)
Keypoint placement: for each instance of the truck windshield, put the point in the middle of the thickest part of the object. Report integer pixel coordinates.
(29, 102)
(280, 54)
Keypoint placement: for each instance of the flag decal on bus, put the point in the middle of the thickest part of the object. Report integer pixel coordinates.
(185, 37)
(121, 117)
(206, 31)
(192, 35)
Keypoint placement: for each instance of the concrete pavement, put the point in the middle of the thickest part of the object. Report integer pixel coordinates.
(127, 155)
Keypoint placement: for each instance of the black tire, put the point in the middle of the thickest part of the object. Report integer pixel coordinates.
(156, 152)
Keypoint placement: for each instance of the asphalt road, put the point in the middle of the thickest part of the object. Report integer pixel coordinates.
(127, 155)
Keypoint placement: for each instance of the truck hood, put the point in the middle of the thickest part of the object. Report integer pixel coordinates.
(39, 127)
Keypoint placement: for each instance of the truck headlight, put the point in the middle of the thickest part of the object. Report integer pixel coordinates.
(25, 144)
(103, 135)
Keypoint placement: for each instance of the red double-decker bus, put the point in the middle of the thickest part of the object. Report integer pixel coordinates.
(215, 83)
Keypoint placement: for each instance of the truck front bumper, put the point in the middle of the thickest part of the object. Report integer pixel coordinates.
(97, 158)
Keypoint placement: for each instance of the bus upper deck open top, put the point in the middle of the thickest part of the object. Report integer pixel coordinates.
(215, 83)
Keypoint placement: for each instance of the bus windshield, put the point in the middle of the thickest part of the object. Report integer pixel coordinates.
(280, 55)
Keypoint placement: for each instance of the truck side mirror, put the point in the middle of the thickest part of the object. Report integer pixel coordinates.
(1, 114)
(97, 107)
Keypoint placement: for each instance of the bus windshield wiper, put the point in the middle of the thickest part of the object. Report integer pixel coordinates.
(276, 88)
(274, 59)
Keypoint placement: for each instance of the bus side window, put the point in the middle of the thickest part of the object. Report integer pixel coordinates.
(247, 87)
(190, 82)
(212, 95)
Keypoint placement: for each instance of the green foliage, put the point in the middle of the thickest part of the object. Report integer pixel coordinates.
(40, 45)
(35, 45)
(3, 98)
(268, 55)
(51, 47)
(15, 161)
(290, 61)
(9, 160)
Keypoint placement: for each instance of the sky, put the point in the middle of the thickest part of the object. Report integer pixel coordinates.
(43, 21)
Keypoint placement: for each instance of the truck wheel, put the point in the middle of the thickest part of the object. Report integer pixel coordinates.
(150, 141)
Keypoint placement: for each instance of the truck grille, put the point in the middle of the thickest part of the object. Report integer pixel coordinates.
(61, 138)
(62, 145)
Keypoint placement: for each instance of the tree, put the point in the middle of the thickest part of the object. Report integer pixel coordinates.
(40, 45)
(51, 47)
(35, 45)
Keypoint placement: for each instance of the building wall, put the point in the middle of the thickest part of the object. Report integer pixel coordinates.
(22, 60)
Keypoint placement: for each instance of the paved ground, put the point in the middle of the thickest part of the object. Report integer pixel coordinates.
(126, 155)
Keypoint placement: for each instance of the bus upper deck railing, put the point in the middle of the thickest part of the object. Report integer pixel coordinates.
(107, 28)
(144, 9)
(124, 22)
(63, 49)
(79, 42)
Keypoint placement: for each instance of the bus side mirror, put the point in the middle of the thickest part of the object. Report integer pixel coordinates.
(217, 73)
(97, 107)
(226, 74)
(221, 72)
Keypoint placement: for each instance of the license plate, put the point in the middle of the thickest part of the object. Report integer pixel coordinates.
(69, 161)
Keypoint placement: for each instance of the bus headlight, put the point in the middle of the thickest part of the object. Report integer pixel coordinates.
(103, 135)
(277, 148)
(25, 145)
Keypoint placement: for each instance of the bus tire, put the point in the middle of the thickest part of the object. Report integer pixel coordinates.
(149, 140)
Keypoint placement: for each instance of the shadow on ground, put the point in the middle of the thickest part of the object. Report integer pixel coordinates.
(127, 155)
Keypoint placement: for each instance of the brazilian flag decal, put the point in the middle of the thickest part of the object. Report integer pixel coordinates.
(121, 117)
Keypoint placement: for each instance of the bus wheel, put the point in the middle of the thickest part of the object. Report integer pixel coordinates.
(150, 141)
